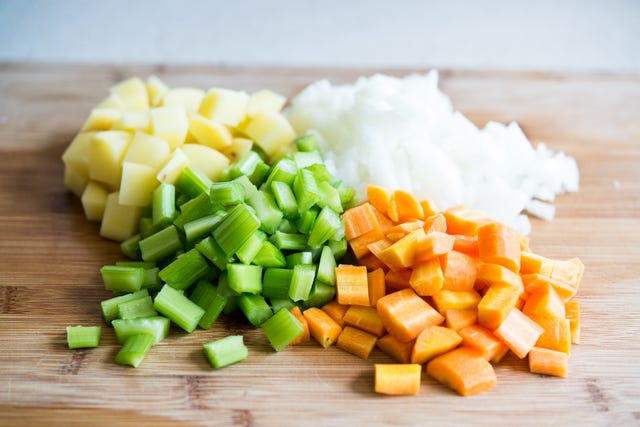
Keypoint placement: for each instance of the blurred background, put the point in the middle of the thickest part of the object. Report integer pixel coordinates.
(543, 35)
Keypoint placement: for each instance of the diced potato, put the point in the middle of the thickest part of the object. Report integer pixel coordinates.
(189, 97)
(111, 101)
(265, 100)
(105, 156)
(207, 159)
(133, 93)
(94, 200)
(132, 121)
(148, 150)
(238, 147)
(77, 153)
(101, 119)
(270, 130)
(173, 167)
(119, 222)
(75, 180)
(210, 133)
(225, 106)
(156, 90)
(170, 123)
(137, 184)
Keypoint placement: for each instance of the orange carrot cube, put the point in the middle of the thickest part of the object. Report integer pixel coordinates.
(404, 314)
(464, 370)
(432, 342)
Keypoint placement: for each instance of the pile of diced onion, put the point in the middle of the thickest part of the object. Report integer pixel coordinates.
(403, 133)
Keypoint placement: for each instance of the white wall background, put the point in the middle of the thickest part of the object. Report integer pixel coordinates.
(544, 35)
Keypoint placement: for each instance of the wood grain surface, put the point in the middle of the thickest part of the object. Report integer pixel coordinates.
(50, 256)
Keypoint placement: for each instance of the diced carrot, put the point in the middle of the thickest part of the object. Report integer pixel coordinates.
(426, 277)
(464, 370)
(336, 311)
(461, 220)
(569, 272)
(397, 379)
(548, 362)
(351, 285)
(359, 220)
(429, 207)
(372, 262)
(432, 342)
(407, 207)
(383, 220)
(535, 280)
(494, 274)
(356, 341)
(466, 244)
(459, 270)
(460, 300)
(519, 332)
(398, 350)
(378, 247)
(322, 328)
(377, 286)
(304, 336)
(556, 335)
(544, 301)
(496, 304)
(436, 222)
(404, 314)
(433, 244)
(457, 319)
(379, 197)
(359, 244)
(533, 263)
(483, 340)
(398, 279)
(572, 309)
(364, 318)
(499, 244)
(398, 231)
(392, 210)
(401, 254)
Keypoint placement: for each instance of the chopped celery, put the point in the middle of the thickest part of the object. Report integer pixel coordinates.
(320, 173)
(347, 194)
(142, 264)
(208, 298)
(131, 246)
(227, 193)
(193, 182)
(83, 336)
(151, 280)
(255, 308)
(308, 142)
(330, 197)
(325, 226)
(193, 209)
(266, 210)
(260, 173)
(198, 228)
(161, 244)
(245, 165)
(327, 267)
(287, 226)
(110, 306)
(284, 171)
(285, 199)
(289, 241)
(282, 328)
(178, 308)
(304, 159)
(305, 189)
(276, 281)
(156, 326)
(236, 228)
(301, 282)
(122, 279)
(226, 351)
(251, 247)
(134, 349)
(245, 278)
(163, 205)
(296, 258)
(228, 293)
(269, 256)
(249, 187)
(213, 252)
(279, 303)
(338, 247)
(185, 270)
(141, 307)
(320, 295)
(305, 220)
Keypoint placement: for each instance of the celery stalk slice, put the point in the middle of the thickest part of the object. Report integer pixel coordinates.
(134, 350)
(122, 279)
(83, 336)
(161, 244)
(320, 295)
(156, 326)
(301, 282)
(178, 308)
(255, 308)
(208, 298)
(289, 241)
(327, 267)
(226, 351)
(236, 228)
(282, 328)
(185, 270)
(269, 256)
(276, 282)
(227, 193)
(325, 226)
(110, 306)
(251, 247)
(285, 199)
(266, 210)
(193, 182)
(210, 249)
(163, 205)
(245, 278)
(141, 307)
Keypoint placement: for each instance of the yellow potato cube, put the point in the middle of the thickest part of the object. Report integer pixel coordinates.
(111, 101)
(101, 119)
(106, 152)
(238, 147)
(265, 100)
(119, 222)
(137, 183)
(209, 133)
(225, 106)
(173, 167)
(147, 150)
(189, 97)
(170, 123)
(94, 200)
(75, 180)
(77, 153)
(132, 93)
(132, 121)
(270, 130)
(207, 159)
(156, 90)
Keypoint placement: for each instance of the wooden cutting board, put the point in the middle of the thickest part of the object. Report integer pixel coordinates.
(50, 256)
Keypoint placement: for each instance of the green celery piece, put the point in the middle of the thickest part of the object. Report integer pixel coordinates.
(255, 308)
(282, 328)
(347, 194)
(301, 282)
(146, 228)
(320, 295)
(225, 290)
(338, 247)
(163, 203)
(325, 226)
(249, 187)
(307, 143)
(131, 247)
(330, 197)
(266, 210)
(151, 280)
(327, 267)
(202, 226)
(142, 264)
(285, 199)
(245, 278)
(289, 241)
(320, 173)
(141, 307)
(287, 226)
(236, 228)
(306, 190)
(134, 349)
(227, 193)
(260, 174)
(276, 282)
(296, 258)
(110, 306)
(245, 165)
(156, 326)
(195, 208)
(83, 336)
(304, 159)
(208, 298)
(285, 171)
(181, 200)
(185, 270)
(269, 256)
(161, 244)
(193, 182)
(178, 308)
(213, 252)
(225, 351)
(122, 279)
(279, 303)
(305, 221)
(251, 247)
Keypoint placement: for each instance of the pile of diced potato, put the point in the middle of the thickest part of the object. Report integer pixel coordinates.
(145, 133)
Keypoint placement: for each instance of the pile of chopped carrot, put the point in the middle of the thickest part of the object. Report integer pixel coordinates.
(453, 290)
